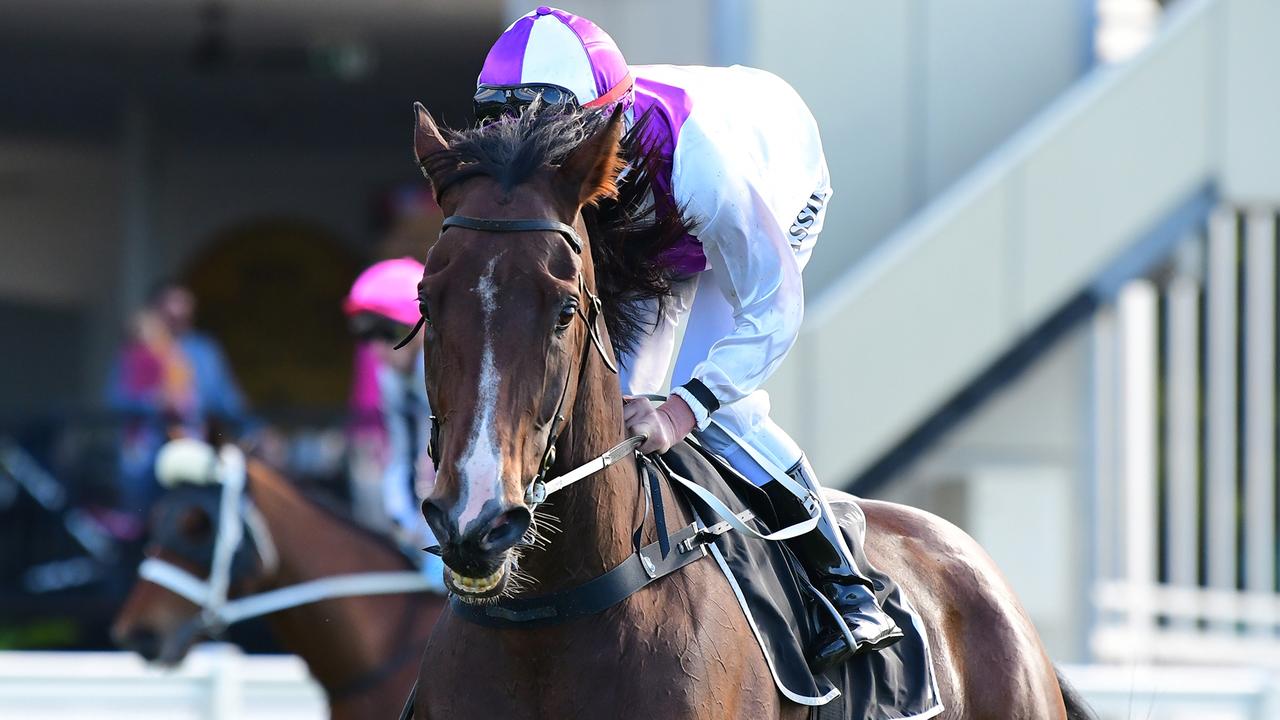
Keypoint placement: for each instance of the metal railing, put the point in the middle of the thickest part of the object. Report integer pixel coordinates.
(1185, 402)
(1144, 692)
(216, 682)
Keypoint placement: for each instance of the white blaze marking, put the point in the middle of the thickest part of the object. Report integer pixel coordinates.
(481, 469)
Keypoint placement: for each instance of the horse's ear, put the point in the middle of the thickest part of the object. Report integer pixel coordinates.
(428, 144)
(590, 172)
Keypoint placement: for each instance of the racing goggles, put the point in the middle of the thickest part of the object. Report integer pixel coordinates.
(495, 101)
(367, 327)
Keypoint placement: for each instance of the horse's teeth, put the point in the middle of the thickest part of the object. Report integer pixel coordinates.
(478, 585)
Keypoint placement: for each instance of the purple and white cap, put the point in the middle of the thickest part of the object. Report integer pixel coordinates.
(554, 47)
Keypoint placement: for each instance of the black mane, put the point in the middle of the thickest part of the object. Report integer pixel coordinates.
(628, 234)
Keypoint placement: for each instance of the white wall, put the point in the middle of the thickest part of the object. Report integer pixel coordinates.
(1015, 476)
(910, 94)
(1035, 222)
(654, 31)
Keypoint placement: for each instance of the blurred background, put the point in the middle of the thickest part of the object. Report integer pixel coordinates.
(1045, 305)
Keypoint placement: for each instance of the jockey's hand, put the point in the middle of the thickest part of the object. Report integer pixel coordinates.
(662, 426)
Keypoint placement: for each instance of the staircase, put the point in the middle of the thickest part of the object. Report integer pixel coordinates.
(1102, 183)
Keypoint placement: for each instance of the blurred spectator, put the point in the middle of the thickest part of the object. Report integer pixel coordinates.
(408, 223)
(383, 308)
(152, 386)
(367, 439)
(167, 377)
(218, 395)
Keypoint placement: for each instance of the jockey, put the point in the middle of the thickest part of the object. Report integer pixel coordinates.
(753, 179)
(382, 307)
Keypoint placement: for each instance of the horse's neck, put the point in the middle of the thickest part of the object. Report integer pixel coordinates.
(586, 528)
(338, 639)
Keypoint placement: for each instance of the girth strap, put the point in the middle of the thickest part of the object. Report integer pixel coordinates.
(594, 596)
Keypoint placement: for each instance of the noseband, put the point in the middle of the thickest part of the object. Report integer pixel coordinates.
(537, 491)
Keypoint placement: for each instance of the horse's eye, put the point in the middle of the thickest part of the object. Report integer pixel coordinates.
(567, 314)
(422, 308)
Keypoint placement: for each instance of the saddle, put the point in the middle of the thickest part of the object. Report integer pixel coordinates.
(777, 599)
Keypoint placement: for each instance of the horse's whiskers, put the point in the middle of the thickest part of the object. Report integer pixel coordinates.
(517, 582)
(542, 525)
(544, 519)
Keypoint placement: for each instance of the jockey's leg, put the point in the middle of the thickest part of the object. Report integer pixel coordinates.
(833, 567)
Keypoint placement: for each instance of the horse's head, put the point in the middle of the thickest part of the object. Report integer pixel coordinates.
(184, 527)
(509, 321)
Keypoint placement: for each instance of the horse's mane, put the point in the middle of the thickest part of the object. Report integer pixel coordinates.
(628, 233)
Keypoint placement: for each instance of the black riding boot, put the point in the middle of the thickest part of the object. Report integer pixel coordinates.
(834, 575)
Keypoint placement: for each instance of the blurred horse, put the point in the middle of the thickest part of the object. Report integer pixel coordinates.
(362, 649)
(522, 296)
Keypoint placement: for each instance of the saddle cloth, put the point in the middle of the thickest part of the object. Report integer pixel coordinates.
(896, 683)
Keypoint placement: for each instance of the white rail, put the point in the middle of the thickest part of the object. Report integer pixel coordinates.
(217, 682)
(1198, 540)
(1141, 692)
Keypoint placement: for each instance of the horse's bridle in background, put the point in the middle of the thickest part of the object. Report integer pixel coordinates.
(217, 611)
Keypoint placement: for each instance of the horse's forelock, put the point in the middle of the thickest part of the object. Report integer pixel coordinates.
(628, 234)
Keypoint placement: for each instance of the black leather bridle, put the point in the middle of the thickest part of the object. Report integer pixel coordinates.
(536, 491)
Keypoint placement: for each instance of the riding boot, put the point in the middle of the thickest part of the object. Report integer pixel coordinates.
(836, 576)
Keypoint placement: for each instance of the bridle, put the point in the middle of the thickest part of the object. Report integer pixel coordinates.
(236, 513)
(539, 487)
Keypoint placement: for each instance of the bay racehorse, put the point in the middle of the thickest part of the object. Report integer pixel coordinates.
(523, 327)
(360, 649)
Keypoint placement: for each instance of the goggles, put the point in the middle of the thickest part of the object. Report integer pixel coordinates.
(495, 101)
(368, 327)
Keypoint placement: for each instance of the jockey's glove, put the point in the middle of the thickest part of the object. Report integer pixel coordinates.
(662, 426)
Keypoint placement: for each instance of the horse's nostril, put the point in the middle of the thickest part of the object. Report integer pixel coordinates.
(506, 530)
(437, 519)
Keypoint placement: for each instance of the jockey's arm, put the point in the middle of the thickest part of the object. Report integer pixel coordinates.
(755, 268)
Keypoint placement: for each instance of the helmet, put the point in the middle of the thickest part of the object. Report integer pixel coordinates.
(389, 289)
(553, 50)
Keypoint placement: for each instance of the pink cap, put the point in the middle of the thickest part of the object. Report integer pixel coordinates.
(388, 288)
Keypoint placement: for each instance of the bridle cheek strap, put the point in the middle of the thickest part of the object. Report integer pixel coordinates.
(591, 314)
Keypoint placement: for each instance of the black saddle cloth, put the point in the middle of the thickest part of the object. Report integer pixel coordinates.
(775, 596)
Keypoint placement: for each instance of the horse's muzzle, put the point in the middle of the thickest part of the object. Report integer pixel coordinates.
(477, 557)
(143, 641)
